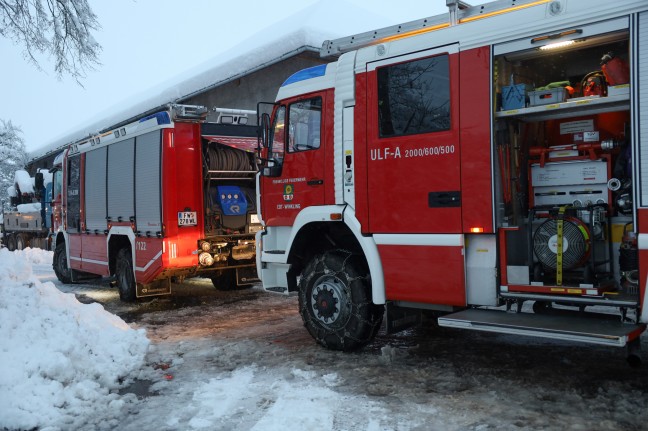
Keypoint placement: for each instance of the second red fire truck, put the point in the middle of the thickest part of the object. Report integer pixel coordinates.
(158, 198)
(487, 165)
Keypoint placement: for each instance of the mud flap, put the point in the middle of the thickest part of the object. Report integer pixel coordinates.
(246, 276)
(158, 287)
(398, 318)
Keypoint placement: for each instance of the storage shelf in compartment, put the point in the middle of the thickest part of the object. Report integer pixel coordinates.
(580, 106)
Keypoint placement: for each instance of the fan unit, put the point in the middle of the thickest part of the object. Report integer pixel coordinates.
(576, 243)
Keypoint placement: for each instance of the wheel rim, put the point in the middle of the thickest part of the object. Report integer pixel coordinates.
(329, 302)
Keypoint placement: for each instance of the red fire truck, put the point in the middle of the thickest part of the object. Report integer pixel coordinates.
(157, 198)
(486, 165)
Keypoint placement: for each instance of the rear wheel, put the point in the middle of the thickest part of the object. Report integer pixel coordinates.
(225, 280)
(11, 242)
(124, 275)
(60, 264)
(335, 301)
(21, 242)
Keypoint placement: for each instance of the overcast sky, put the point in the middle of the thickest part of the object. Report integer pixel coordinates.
(148, 42)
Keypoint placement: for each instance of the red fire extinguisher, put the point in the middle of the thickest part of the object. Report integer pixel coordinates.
(616, 71)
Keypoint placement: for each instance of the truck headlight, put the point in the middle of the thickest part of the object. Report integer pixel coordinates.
(205, 259)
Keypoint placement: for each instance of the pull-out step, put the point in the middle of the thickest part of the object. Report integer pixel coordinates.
(609, 332)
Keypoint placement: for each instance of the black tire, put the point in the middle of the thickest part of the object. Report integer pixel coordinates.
(60, 265)
(11, 242)
(21, 242)
(124, 275)
(225, 280)
(335, 301)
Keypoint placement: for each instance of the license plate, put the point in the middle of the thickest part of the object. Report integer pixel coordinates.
(187, 218)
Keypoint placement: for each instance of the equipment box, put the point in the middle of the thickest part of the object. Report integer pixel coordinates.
(514, 96)
(546, 97)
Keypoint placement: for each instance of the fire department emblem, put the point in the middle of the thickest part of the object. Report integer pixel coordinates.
(288, 193)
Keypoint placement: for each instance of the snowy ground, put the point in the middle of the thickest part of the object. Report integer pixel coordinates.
(242, 360)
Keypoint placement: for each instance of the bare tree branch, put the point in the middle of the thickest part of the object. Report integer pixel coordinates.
(61, 29)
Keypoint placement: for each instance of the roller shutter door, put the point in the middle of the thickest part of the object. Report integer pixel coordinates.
(642, 129)
(147, 183)
(95, 190)
(121, 182)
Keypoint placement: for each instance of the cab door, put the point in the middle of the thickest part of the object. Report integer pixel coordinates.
(73, 215)
(414, 176)
(296, 176)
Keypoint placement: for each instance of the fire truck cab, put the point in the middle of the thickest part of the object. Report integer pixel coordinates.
(485, 165)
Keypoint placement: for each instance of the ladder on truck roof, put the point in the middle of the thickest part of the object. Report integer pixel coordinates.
(459, 12)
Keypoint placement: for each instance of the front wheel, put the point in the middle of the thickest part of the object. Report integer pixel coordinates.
(335, 301)
(60, 264)
(124, 275)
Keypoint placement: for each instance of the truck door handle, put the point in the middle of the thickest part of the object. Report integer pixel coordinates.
(444, 199)
(315, 182)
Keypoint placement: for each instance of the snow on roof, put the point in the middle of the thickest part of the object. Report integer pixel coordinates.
(24, 181)
(306, 30)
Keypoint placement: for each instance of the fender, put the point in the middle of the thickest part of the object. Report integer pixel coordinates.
(67, 245)
(369, 248)
(122, 231)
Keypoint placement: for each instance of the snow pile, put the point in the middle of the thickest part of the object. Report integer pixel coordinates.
(35, 256)
(60, 358)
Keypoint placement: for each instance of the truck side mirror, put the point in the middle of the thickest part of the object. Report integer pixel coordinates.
(273, 169)
(39, 182)
(265, 130)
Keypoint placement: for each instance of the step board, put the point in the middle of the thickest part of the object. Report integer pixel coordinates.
(609, 332)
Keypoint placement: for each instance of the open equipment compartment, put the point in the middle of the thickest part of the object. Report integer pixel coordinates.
(229, 187)
(563, 159)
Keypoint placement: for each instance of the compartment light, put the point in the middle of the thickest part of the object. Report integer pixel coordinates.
(556, 45)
